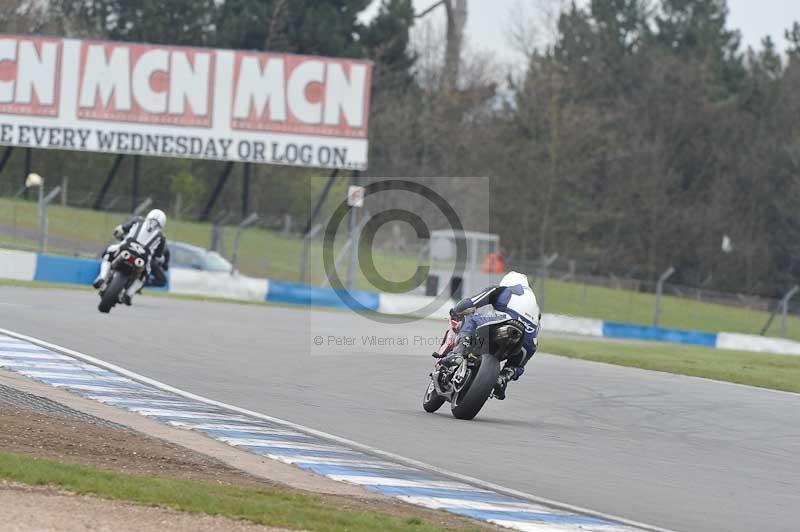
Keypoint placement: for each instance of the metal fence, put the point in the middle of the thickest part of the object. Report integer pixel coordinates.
(273, 247)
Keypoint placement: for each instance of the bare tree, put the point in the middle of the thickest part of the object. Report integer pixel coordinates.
(456, 11)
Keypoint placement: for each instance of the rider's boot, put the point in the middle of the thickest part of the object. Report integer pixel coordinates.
(455, 357)
(132, 290)
(506, 374)
(105, 267)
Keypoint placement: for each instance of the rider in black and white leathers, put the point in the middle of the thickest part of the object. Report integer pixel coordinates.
(513, 297)
(148, 232)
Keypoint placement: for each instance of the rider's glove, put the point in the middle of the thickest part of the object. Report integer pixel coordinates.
(118, 232)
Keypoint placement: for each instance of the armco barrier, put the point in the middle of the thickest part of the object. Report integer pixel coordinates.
(20, 265)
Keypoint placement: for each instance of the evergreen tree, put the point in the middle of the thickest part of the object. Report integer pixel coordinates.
(387, 42)
(698, 29)
(181, 22)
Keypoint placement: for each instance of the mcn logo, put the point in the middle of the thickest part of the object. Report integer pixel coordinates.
(145, 84)
(29, 76)
(295, 94)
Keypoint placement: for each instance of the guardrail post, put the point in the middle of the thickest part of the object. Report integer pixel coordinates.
(543, 274)
(250, 220)
(309, 228)
(785, 308)
(659, 291)
(354, 230)
(43, 202)
(142, 206)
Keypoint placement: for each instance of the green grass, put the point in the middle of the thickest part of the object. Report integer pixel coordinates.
(277, 256)
(627, 306)
(270, 507)
(778, 372)
(264, 253)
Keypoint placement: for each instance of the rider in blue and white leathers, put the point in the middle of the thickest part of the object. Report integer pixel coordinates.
(513, 297)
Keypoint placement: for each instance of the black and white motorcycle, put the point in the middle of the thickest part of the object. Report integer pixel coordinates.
(128, 264)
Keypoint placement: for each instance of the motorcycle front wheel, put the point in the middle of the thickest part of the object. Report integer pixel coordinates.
(468, 401)
(432, 401)
(111, 295)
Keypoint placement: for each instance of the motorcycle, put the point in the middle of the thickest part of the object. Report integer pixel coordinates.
(468, 385)
(129, 263)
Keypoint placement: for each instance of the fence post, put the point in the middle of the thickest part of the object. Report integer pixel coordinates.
(659, 291)
(306, 246)
(142, 206)
(785, 308)
(250, 220)
(543, 274)
(43, 202)
(307, 236)
(354, 232)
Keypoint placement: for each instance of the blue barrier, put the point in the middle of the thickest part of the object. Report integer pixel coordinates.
(657, 334)
(70, 270)
(56, 269)
(298, 294)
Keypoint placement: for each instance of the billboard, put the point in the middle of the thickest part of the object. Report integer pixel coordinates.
(173, 101)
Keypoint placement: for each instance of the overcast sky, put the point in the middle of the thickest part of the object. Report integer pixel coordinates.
(489, 21)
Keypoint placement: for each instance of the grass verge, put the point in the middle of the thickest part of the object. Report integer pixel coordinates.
(265, 507)
(777, 372)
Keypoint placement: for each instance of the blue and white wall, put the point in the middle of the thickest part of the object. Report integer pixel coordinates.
(26, 266)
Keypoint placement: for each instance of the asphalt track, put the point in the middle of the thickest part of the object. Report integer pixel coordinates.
(675, 452)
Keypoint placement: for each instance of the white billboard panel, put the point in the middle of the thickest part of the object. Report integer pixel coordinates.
(174, 101)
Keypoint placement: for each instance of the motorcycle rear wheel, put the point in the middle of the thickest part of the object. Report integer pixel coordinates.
(476, 393)
(111, 295)
(432, 401)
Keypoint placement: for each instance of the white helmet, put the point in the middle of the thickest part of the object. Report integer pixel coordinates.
(514, 279)
(156, 216)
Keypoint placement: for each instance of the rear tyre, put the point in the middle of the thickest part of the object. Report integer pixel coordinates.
(469, 401)
(111, 295)
(432, 401)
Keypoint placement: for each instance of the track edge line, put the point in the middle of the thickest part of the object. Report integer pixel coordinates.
(331, 437)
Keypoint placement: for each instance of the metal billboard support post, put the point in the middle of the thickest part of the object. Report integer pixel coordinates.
(5, 157)
(660, 290)
(245, 189)
(137, 164)
(101, 196)
(212, 199)
(785, 308)
(250, 220)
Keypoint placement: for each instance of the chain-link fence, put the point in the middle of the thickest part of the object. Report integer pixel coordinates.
(273, 247)
(561, 289)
